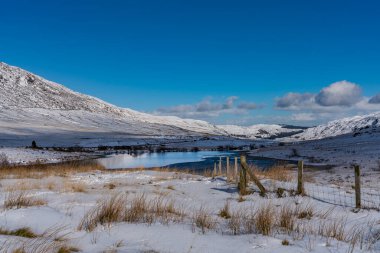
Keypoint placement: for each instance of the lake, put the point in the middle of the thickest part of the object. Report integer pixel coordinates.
(200, 160)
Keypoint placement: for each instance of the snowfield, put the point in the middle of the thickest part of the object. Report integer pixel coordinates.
(66, 200)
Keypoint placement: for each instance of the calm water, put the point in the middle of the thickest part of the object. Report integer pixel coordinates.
(187, 160)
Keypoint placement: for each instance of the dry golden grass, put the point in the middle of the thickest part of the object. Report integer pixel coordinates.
(18, 199)
(50, 185)
(44, 170)
(203, 220)
(21, 232)
(70, 186)
(278, 173)
(24, 185)
(333, 228)
(235, 223)
(110, 185)
(53, 240)
(105, 212)
(137, 210)
(304, 211)
(170, 187)
(286, 218)
(265, 219)
(225, 211)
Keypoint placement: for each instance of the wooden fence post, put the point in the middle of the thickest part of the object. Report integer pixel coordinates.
(214, 174)
(228, 168)
(300, 187)
(220, 166)
(357, 187)
(236, 169)
(242, 184)
(253, 176)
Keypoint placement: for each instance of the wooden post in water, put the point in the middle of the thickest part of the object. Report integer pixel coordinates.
(236, 169)
(358, 203)
(300, 187)
(220, 166)
(228, 168)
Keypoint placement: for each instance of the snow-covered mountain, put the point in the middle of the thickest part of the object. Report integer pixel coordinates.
(30, 105)
(27, 100)
(261, 131)
(364, 124)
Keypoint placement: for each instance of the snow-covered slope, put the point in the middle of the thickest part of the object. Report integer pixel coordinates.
(28, 101)
(30, 104)
(261, 131)
(355, 125)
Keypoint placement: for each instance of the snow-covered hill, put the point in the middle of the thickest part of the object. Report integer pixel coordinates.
(29, 101)
(356, 125)
(31, 105)
(261, 131)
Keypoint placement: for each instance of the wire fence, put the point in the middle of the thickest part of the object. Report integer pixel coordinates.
(340, 195)
(332, 194)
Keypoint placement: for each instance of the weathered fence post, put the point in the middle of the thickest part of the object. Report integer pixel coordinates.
(242, 184)
(236, 169)
(228, 168)
(220, 166)
(214, 173)
(300, 187)
(253, 176)
(357, 187)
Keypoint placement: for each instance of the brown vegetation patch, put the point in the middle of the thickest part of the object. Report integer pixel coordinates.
(38, 170)
(19, 199)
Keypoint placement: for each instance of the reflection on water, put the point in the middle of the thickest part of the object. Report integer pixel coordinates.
(149, 160)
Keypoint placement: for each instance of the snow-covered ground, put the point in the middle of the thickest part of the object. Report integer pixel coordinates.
(65, 207)
(27, 156)
(340, 153)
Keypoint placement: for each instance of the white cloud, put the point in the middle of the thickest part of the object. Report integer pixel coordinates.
(375, 99)
(248, 106)
(303, 116)
(293, 100)
(207, 108)
(341, 93)
(339, 99)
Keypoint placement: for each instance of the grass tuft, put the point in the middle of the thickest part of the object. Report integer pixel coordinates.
(265, 218)
(225, 211)
(19, 199)
(203, 220)
(22, 232)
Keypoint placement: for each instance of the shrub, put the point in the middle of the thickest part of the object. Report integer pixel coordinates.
(34, 144)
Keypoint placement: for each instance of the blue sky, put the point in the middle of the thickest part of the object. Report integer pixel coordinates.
(232, 62)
